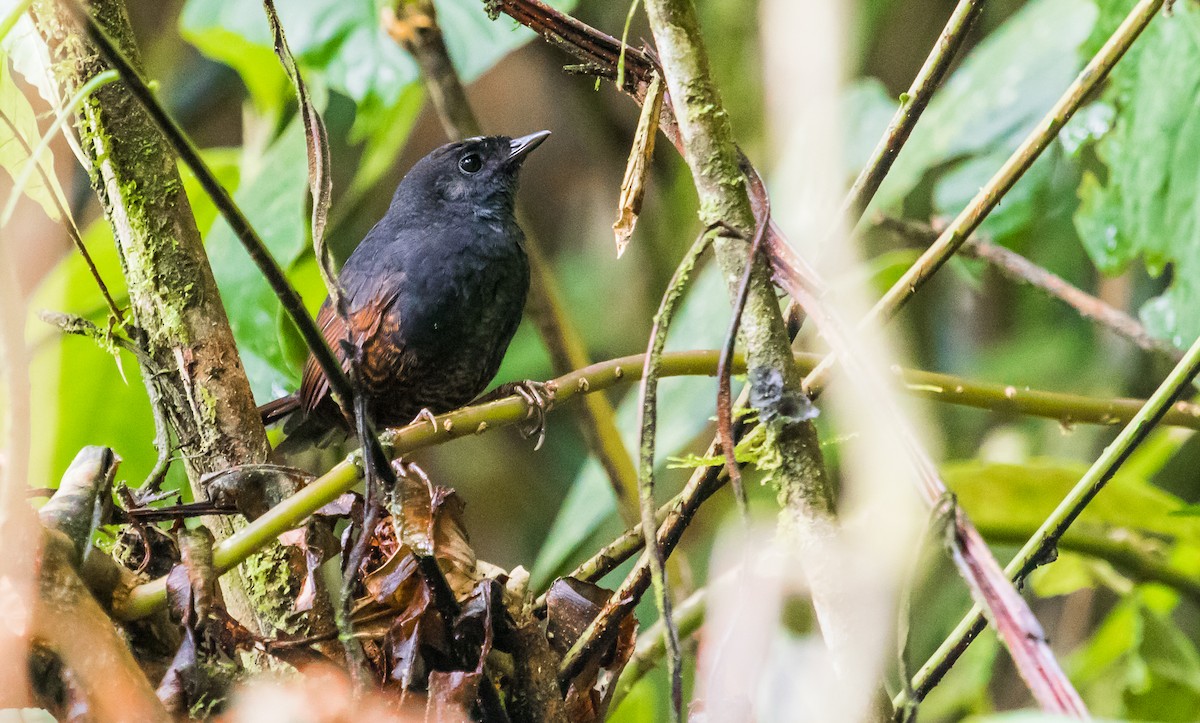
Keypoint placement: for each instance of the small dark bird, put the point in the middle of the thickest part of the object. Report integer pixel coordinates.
(434, 293)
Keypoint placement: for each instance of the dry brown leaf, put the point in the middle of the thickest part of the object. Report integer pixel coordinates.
(633, 185)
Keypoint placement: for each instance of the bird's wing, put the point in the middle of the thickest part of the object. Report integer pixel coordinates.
(370, 324)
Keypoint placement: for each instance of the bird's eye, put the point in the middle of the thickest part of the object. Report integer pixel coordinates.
(470, 163)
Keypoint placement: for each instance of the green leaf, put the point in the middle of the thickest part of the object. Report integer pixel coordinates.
(1139, 665)
(19, 135)
(272, 194)
(1022, 496)
(1147, 204)
(80, 395)
(344, 42)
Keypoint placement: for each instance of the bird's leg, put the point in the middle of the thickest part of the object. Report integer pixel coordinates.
(538, 397)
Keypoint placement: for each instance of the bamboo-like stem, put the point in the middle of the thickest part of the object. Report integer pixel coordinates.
(1039, 549)
(1020, 269)
(912, 105)
(600, 377)
(414, 25)
(1002, 182)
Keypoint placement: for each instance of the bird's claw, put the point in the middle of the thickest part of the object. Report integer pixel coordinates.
(426, 415)
(538, 397)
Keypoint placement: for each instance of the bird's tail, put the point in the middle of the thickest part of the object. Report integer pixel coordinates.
(304, 432)
(279, 409)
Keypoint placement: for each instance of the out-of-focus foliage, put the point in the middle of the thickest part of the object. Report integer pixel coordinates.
(1145, 200)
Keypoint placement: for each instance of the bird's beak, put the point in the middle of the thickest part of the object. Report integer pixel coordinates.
(518, 148)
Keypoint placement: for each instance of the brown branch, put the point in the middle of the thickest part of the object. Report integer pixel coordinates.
(68, 622)
(1020, 269)
(174, 299)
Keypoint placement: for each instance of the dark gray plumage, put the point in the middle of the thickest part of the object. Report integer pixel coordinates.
(434, 292)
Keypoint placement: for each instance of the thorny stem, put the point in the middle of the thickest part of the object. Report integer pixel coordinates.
(1040, 548)
(1018, 268)
(414, 25)
(989, 196)
(605, 375)
(648, 424)
(912, 105)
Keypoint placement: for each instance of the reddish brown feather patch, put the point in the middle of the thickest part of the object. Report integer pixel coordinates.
(383, 362)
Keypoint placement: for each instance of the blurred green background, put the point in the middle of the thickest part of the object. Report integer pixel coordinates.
(1113, 206)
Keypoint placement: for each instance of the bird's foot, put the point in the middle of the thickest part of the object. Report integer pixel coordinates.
(426, 415)
(538, 397)
(411, 470)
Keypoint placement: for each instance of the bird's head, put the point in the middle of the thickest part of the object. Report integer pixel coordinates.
(477, 175)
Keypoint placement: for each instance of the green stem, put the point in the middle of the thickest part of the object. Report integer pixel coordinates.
(648, 424)
(1038, 550)
(912, 105)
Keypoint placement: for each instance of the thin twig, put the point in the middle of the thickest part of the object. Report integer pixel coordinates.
(604, 626)
(651, 645)
(1020, 269)
(648, 426)
(136, 345)
(69, 223)
(724, 376)
(320, 185)
(912, 105)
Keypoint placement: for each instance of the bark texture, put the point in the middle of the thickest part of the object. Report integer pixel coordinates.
(176, 311)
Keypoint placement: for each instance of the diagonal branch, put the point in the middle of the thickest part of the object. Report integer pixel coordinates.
(1020, 269)
(1040, 549)
(912, 105)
